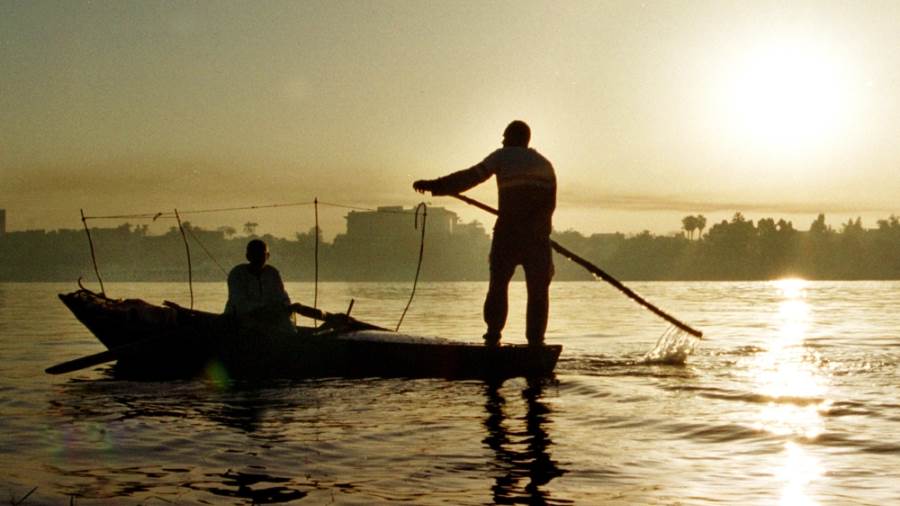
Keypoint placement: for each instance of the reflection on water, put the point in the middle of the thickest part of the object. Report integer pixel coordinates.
(791, 400)
(789, 374)
(236, 484)
(521, 456)
(241, 408)
(302, 427)
(800, 469)
(97, 457)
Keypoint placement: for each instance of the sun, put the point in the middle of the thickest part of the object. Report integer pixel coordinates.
(785, 95)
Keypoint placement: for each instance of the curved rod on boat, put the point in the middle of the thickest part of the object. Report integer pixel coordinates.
(424, 209)
(93, 255)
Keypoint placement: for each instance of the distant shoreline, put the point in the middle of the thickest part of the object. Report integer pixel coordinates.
(376, 249)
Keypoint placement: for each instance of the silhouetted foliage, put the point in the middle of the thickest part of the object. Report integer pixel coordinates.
(735, 249)
(689, 224)
(250, 228)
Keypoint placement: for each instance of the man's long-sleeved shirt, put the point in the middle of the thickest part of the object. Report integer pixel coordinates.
(249, 292)
(526, 185)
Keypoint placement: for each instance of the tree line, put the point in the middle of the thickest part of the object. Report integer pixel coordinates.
(735, 249)
(739, 249)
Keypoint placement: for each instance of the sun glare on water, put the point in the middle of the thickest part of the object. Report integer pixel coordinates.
(788, 375)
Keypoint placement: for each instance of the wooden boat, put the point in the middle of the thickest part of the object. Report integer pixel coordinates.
(169, 341)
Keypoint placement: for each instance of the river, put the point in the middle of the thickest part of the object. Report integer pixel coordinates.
(792, 397)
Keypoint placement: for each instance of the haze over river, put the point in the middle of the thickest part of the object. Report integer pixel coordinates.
(792, 397)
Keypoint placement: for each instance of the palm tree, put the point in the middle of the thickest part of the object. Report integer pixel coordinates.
(701, 224)
(689, 224)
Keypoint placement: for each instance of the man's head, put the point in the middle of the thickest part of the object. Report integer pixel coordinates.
(517, 134)
(257, 253)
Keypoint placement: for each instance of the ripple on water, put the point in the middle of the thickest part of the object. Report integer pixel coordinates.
(782, 403)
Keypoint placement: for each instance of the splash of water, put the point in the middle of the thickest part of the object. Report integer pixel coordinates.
(673, 347)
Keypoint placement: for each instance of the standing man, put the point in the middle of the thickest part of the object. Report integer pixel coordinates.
(526, 184)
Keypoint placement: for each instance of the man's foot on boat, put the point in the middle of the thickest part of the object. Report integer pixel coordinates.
(492, 339)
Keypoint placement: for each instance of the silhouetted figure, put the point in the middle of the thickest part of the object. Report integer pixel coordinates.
(526, 185)
(256, 294)
(521, 458)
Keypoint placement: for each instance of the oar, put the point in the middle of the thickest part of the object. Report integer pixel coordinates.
(600, 273)
(99, 358)
(336, 320)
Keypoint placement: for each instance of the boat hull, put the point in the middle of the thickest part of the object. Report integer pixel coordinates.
(170, 341)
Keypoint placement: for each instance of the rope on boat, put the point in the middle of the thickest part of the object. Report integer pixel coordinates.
(187, 249)
(205, 250)
(153, 216)
(168, 215)
(93, 256)
(162, 214)
(412, 294)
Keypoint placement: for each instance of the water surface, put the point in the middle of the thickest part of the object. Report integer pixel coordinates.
(791, 398)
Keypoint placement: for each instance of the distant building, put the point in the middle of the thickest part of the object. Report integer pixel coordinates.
(383, 244)
(389, 222)
(2, 222)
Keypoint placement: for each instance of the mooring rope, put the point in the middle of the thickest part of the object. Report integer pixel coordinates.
(419, 264)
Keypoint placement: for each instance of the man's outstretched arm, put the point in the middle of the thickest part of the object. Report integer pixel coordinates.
(456, 182)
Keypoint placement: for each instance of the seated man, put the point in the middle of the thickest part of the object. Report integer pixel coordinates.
(256, 294)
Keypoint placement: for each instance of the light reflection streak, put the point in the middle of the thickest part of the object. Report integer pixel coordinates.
(799, 471)
(788, 376)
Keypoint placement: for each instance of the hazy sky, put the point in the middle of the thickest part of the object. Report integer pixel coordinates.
(649, 111)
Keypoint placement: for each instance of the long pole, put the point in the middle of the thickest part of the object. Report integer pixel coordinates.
(600, 273)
